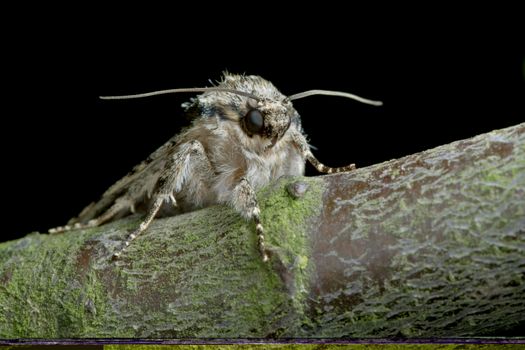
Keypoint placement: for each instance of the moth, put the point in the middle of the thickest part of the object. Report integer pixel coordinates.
(244, 134)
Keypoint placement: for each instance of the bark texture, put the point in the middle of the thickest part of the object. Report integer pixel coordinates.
(428, 245)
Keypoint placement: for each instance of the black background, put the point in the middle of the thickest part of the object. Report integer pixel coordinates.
(442, 78)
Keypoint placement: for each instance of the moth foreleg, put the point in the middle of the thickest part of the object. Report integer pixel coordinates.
(302, 144)
(244, 201)
(175, 173)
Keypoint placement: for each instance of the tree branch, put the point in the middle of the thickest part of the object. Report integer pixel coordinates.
(432, 244)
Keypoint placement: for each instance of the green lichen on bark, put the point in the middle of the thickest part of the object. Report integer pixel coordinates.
(180, 279)
(46, 292)
(432, 244)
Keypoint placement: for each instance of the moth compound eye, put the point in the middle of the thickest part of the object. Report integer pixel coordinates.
(254, 121)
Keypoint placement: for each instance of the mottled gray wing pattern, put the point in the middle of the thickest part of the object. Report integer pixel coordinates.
(143, 174)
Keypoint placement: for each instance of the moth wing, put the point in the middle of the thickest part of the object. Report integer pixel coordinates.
(143, 174)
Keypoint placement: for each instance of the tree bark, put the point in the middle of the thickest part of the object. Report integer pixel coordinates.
(429, 245)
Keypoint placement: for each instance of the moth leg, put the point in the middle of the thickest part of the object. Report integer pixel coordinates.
(175, 172)
(244, 201)
(143, 225)
(302, 144)
(120, 204)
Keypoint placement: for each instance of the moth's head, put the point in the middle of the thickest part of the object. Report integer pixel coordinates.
(268, 119)
(263, 113)
(249, 102)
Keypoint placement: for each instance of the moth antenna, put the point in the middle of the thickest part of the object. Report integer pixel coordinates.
(334, 93)
(174, 91)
